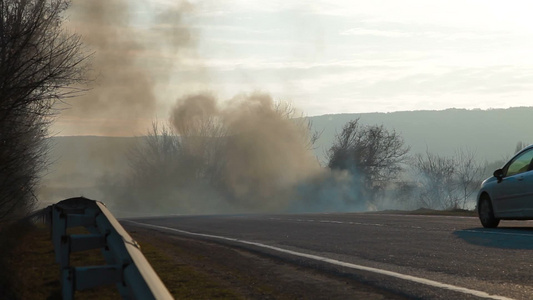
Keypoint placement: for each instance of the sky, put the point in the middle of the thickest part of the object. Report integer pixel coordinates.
(325, 57)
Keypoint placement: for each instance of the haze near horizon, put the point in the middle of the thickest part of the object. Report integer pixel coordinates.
(325, 57)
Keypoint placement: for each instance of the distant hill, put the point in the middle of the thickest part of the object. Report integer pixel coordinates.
(493, 134)
(80, 163)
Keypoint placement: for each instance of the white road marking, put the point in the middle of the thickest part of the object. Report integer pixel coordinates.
(500, 231)
(420, 280)
(327, 221)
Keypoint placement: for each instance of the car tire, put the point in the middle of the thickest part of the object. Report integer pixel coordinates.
(486, 213)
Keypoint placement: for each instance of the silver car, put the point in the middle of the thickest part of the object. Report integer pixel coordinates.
(508, 195)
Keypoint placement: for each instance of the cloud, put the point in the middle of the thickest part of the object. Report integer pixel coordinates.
(489, 80)
(319, 50)
(374, 32)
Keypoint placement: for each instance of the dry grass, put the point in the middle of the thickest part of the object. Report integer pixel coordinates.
(27, 266)
(28, 269)
(182, 280)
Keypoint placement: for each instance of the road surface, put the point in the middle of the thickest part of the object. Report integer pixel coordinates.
(422, 257)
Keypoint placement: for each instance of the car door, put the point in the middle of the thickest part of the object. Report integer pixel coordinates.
(514, 194)
(505, 196)
(525, 199)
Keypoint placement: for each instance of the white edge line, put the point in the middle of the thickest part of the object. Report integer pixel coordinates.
(340, 263)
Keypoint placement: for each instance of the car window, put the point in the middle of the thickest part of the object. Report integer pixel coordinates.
(520, 164)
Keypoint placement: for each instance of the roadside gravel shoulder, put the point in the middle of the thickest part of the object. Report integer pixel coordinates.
(233, 273)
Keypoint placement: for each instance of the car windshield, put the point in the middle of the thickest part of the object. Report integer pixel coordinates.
(520, 164)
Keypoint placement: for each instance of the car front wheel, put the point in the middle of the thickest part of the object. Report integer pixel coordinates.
(486, 213)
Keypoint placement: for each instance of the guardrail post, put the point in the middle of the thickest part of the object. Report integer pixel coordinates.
(64, 250)
(59, 229)
(67, 283)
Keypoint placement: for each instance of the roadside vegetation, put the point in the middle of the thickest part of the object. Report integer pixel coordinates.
(204, 164)
(390, 177)
(211, 158)
(40, 64)
(28, 269)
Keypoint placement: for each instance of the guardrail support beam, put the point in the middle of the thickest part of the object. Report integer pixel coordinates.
(82, 242)
(76, 243)
(82, 278)
(75, 220)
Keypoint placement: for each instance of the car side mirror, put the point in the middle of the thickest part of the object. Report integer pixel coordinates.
(498, 174)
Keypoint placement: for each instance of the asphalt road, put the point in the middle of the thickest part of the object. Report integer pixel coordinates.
(421, 257)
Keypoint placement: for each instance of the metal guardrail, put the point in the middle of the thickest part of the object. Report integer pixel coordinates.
(126, 265)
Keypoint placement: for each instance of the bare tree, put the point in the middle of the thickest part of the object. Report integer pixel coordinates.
(469, 174)
(209, 158)
(436, 178)
(519, 146)
(287, 111)
(40, 63)
(448, 182)
(372, 153)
